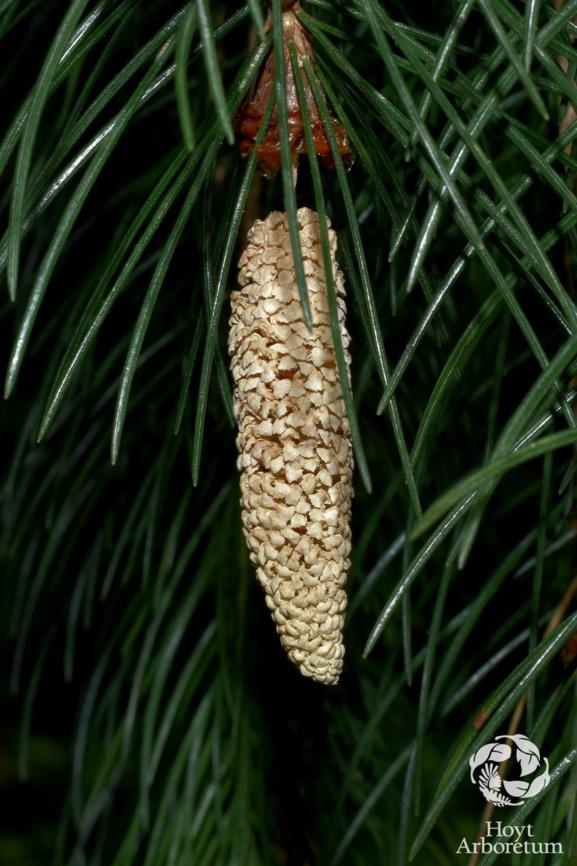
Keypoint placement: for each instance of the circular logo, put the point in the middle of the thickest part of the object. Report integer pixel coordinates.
(530, 767)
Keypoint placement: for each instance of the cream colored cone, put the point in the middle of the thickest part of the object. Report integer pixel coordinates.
(295, 454)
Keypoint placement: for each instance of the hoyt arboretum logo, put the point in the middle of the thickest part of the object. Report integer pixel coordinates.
(530, 775)
(532, 771)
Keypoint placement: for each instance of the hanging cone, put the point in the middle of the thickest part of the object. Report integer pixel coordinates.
(295, 454)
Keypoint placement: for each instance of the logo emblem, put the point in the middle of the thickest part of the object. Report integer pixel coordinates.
(485, 773)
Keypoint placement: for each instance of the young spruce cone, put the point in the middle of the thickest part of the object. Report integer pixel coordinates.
(295, 453)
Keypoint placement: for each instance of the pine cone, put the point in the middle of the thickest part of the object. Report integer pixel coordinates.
(295, 454)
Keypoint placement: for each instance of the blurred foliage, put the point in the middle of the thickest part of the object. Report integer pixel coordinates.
(148, 714)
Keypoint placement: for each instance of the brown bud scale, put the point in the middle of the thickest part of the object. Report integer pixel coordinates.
(250, 116)
(295, 454)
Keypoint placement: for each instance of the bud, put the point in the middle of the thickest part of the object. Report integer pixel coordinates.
(295, 454)
(250, 116)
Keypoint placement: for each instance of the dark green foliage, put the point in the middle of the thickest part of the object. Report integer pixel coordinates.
(140, 667)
